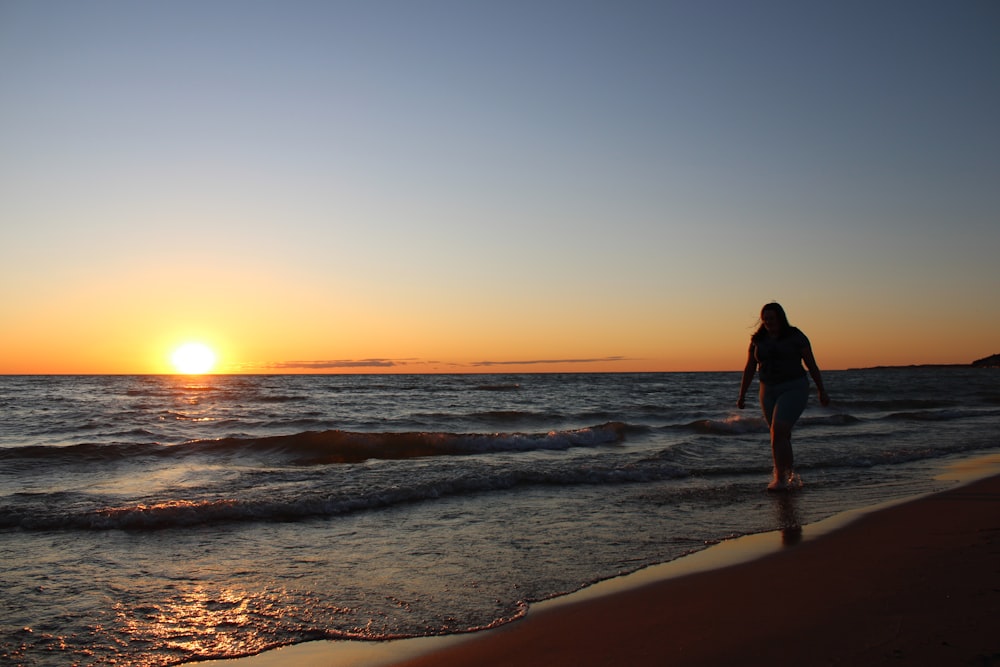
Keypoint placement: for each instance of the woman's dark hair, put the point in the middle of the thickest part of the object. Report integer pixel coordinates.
(782, 319)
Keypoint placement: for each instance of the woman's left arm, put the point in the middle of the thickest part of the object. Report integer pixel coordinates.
(807, 356)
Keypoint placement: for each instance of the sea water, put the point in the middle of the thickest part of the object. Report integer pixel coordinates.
(151, 520)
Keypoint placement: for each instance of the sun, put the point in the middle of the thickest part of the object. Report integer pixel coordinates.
(193, 359)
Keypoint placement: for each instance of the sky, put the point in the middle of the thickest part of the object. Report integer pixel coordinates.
(472, 186)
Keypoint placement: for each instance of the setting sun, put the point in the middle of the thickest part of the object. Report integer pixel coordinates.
(193, 359)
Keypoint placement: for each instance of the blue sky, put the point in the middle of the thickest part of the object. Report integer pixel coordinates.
(455, 182)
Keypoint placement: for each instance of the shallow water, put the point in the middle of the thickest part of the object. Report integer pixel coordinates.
(151, 520)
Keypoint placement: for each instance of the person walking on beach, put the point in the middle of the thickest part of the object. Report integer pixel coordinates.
(777, 350)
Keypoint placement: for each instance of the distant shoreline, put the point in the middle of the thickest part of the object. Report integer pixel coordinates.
(908, 366)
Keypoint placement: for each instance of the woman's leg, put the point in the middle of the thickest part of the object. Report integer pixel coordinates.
(781, 451)
(787, 404)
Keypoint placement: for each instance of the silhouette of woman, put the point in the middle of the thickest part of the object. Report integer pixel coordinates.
(777, 351)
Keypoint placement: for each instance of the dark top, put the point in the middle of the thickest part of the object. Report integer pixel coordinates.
(780, 360)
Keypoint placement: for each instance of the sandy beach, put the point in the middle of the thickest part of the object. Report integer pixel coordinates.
(916, 583)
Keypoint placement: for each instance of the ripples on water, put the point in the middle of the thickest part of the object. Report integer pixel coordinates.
(150, 520)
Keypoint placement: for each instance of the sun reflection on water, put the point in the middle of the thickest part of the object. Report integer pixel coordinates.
(201, 623)
(227, 622)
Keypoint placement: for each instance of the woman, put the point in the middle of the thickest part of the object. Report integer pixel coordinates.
(778, 350)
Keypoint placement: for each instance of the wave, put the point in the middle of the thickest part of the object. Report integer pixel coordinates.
(312, 446)
(744, 425)
(720, 480)
(747, 425)
(877, 405)
(936, 415)
(736, 425)
(70, 511)
(289, 495)
(334, 446)
(80, 453)
(278, 399)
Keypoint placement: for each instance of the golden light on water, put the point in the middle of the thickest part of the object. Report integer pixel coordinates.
(196, 623)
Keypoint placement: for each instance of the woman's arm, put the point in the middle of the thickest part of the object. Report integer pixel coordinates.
(807, 356)
(748, 372)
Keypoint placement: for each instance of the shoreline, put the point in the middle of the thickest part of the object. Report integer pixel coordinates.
(711, 608)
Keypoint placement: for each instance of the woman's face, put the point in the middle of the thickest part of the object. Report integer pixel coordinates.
(771, 322)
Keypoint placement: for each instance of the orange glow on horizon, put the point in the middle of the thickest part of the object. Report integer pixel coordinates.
(253, 344)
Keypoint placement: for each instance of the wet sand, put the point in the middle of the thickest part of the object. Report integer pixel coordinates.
(916, 583)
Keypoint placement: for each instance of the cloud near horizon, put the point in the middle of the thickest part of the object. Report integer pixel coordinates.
(333, 364)
(338, 363)
(530, 362)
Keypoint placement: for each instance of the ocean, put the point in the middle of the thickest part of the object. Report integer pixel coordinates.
(153, 520)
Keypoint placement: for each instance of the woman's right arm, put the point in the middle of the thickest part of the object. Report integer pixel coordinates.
(748, 372)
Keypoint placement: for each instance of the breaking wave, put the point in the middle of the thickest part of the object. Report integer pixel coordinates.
(333, 446)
